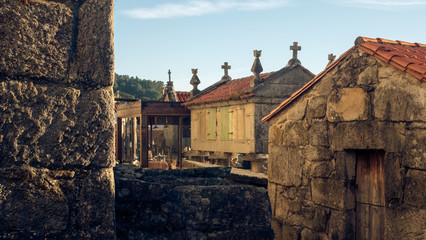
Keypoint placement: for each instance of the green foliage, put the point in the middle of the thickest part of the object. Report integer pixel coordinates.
(136, 88)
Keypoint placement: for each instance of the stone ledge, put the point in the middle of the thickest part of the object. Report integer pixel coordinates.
(236, 175)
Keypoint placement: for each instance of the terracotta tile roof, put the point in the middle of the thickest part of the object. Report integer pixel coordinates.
(234, 89)
(408, 57)
(182, 96)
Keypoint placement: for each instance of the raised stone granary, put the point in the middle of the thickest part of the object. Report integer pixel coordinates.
(347, 152)
(56, 120)
(225, 117)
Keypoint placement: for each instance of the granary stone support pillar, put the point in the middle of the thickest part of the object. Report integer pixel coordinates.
(56, 119)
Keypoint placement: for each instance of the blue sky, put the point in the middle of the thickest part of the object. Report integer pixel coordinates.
(152, 36)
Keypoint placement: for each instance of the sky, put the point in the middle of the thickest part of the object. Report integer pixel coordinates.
(153, 36)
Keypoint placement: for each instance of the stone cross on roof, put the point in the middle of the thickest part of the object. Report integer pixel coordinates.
(295, 48)
(226, 67)
(331, 58)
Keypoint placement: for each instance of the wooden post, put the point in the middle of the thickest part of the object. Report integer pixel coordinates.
(134, 138)
(144, 141)
(180, 145)
(119, 140)
(150, 137)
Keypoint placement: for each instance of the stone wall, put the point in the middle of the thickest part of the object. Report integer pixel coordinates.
(188, 204)
(56, 120)
(362, 104)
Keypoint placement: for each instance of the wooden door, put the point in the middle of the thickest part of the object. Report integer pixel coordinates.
(370, 195)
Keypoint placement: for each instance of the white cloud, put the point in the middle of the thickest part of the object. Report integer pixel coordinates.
(202, 7)
(386, 3)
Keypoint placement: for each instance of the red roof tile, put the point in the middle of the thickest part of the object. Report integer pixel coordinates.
(182, 96)
(234, 89)
(408, 57)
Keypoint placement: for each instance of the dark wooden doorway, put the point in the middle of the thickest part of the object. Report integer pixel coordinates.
(370, 195)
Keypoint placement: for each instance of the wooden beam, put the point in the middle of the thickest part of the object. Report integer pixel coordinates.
(180, 145)
(144, 141)
(119, 139)
(134, 138)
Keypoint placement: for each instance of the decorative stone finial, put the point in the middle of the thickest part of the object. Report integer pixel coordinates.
(226, 77)
(256, 69)
(294, 48)
(170, 75)
(194, 82)
(331, 58)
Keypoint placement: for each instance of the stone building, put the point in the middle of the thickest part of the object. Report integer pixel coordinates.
(225, 117)
(347, 153)
(56, 120)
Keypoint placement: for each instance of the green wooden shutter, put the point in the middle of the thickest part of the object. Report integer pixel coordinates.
(211, 124)
(225, 124)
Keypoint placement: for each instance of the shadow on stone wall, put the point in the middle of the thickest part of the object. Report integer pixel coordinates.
(188, 204)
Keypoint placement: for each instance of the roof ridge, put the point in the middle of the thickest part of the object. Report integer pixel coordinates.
(413, 66)
(306, 86)
(360, 40)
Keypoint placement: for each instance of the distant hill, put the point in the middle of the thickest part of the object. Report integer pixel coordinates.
(136, 88)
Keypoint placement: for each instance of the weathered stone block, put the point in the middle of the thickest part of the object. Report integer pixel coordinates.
(294, 134)
(369, 76)
(318, 133)
(405, 223)
(415, 185)
(311, 153)
(294, 113)
(36, 41)
(40, 203)
(341, 225)
(315, 217)
(283, 231)
(348, 104)
(95, 46)
(394, 174)
(397, 99)
(345, 165)
(55, 126)
(415, 146)
(317, 107)
(307, 234)
(94, 207)
(286, 164)
(332, 193)
(367, 135)
(32, 201)
(286, 207)
(272, 193)
(322, 169)
(275, 135)
(325, 86)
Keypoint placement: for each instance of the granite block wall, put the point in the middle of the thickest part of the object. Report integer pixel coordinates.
(56, 119)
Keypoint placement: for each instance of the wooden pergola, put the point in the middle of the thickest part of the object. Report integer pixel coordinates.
(173, 112)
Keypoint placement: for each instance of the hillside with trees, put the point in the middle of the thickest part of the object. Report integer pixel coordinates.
(136, 88)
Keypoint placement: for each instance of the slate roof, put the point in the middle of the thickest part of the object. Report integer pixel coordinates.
(234, 89)
(182, 96)
(407, 57)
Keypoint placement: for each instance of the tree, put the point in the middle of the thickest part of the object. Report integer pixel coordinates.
(136, 88)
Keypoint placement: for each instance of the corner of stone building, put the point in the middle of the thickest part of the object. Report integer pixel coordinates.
(57, 125)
